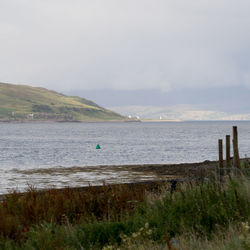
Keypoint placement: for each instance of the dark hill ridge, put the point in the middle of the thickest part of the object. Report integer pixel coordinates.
(21, 102)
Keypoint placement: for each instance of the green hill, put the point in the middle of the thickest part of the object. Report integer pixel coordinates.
(21, 102)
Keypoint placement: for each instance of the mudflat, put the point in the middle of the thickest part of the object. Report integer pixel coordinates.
(133, 172)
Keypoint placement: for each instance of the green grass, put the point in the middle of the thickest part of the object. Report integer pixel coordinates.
(128, 217)
(46, 104)
(5, 112)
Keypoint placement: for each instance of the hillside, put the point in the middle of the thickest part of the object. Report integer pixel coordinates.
(21, 102)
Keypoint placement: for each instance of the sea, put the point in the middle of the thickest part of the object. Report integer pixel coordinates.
(35, 155)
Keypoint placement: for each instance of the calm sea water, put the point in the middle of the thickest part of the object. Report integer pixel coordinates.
(32, 146)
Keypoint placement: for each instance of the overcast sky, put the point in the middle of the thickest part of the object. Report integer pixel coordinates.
(91, 45)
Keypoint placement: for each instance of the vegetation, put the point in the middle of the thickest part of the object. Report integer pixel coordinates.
(18, 101)
(196, 216)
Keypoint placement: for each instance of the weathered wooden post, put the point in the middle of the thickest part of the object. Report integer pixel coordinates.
(236, 159)
(220, 146)
(228, 157)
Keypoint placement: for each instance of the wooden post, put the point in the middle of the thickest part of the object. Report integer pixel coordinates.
(228, 158)
(236, 160)
(220, 145)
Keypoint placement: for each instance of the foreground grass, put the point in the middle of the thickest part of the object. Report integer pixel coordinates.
(196, 216)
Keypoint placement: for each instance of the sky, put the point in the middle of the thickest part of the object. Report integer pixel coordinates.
(133, 52)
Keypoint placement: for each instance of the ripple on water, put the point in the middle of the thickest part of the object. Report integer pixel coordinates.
(49, 153)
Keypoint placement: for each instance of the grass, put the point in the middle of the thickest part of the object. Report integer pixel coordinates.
(197, 214)
(46, 104)
(20, 211)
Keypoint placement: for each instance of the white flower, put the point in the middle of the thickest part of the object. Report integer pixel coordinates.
(245, 225)
(149, 232)
(134, 235)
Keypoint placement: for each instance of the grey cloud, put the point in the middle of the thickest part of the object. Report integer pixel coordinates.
(139, 44)
(232, 100)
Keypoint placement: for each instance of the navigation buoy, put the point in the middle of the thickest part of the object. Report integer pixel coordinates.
(98, 146)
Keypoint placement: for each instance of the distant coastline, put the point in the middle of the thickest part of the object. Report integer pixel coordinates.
(65, 121)
(161, 120)
(112, 121)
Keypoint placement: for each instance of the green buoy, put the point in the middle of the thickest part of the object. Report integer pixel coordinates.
(98, 146)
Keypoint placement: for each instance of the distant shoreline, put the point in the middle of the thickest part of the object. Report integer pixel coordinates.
(116, 121)
(58, 121)
(161, 120)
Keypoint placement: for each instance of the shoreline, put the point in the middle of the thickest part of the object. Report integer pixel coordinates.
(150, 176)
(68, 121)
(115, 121)
(57, 121)
(135, 174)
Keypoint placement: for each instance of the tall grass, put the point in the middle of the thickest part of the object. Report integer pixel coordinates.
(20, 211)
(69, 221)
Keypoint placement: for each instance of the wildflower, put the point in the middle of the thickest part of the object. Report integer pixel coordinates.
(245, 225)
(146, 225)
(149, 232)
(108, 248)
(26, 229)
(134, 235)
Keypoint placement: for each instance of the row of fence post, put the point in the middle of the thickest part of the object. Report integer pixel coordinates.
(236, 159)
